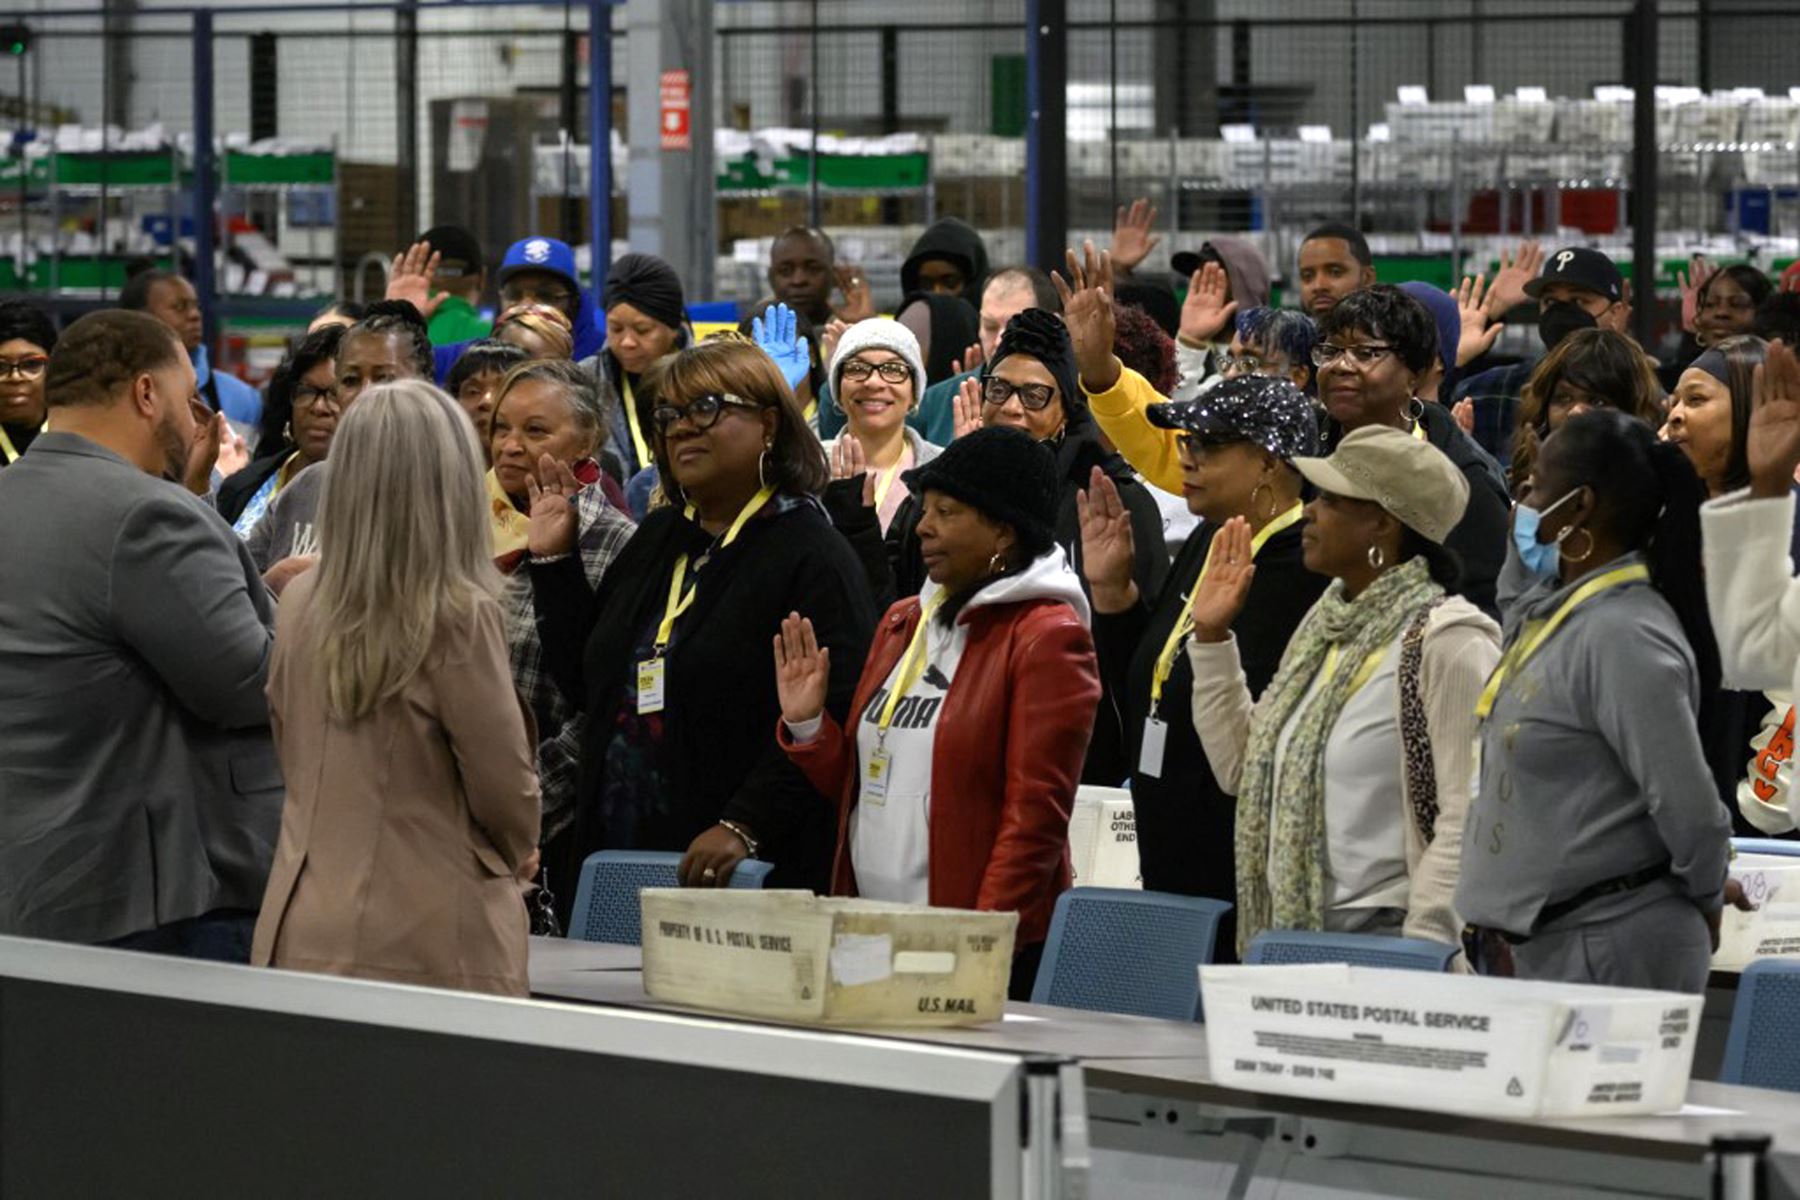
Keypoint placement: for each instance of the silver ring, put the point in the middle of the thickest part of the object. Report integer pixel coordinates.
(709, 873)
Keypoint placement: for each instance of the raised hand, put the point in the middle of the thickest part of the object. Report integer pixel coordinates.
(203, 453)
(971, 359)
(859, 297)
(410, 280)
(1225, 586)
(553, 526)
(1464, 412)
(1774, 441)
(1132, 240)
(777, 332)
(1207, 312)
(1108, 550)
(1479, 329)
(1508, 289)
(967, 408)
(802, 670)
(1087, 311)
(828, 340)
(1691, 282)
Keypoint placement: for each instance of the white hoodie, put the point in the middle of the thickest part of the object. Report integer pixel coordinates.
(890, 829)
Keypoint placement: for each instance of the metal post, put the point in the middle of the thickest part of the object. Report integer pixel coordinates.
(27, 119)
(812, 157)
(406, 117)
(1046, 131)
(1355, 124)
(1642, 38)
(205, 195)
(1456, 206)
(600, 138)
(1112, 107)
(567, 114)
(1740, 1166)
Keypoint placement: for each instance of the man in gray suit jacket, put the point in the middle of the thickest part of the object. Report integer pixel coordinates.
(140, 796)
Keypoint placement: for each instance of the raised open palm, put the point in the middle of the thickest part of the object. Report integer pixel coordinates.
(1225, 587)
(1132, 239)
(1207, 312)
(410, 280)
(966, 407)
(802, 670)
(553, 526)
(1774, 444)
(1087, 311)
(1479, 329)
(1108, 550)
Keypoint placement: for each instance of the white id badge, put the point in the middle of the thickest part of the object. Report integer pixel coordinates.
(1150, 754)
(651, 676)
(875, 779)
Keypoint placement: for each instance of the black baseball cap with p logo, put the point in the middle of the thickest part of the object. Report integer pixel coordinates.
(1579, 266)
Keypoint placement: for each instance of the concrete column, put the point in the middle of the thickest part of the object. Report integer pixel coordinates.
(671, 202)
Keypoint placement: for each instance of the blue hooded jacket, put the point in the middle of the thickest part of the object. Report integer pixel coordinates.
(539, 254)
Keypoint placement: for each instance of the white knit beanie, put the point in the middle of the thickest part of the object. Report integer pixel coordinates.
(880, 333)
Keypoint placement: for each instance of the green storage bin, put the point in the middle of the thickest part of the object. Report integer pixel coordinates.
(292, 170)
(85, 274)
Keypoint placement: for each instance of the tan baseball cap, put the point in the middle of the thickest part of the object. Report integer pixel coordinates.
(1409, 477)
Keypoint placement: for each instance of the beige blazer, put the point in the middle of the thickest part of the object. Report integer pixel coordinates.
(402, 832)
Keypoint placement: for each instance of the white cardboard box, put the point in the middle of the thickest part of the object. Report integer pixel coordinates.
(1103, 839)
(1455, 1043)
(1773, 931)
(793, 956)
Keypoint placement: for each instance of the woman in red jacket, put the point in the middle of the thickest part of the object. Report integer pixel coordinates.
(974, 709)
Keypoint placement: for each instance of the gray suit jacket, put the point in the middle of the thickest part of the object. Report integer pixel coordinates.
(138, 782)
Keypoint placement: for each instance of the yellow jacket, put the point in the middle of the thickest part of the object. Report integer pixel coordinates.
(1122, 411)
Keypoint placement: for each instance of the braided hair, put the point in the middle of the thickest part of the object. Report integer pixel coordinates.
(399, 317)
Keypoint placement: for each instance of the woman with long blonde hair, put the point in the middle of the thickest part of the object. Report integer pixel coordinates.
(412, 805)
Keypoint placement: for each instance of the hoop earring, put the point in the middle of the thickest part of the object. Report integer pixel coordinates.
(1377, 558)
(762, 468)
(997, 563)
(287, 431)
(1585, 554)
(1270, 515)
(1415, 412)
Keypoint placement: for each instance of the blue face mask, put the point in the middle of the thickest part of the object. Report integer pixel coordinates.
(1540, 558)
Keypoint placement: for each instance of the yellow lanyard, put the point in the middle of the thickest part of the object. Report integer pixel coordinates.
(1363, 673)
(1537, 633)
(681, 600)
(631, 419)
(812, 412)
(1419, 430)
(912, 665)
(1184, 622)
(7, 448)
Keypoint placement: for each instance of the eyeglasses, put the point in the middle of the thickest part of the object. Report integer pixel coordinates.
(308, 397)
(1362, 356)
(1248, 365)
(702, 412)
(29, 367)
(891, 371)
(1196, 445)
(1036, 397)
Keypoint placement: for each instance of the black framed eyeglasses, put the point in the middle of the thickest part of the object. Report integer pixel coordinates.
(702, 412)
(1324, 354)
(891, 371)
(1036, 397)
(32, 366)
(310, 397)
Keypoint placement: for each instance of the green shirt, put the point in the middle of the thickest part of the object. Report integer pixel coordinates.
(456, 320)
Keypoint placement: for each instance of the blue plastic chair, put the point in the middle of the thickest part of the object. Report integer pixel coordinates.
(1761, 1050)
(1119, 950)
(1777, 846)
(606, 899)
(1279, 946)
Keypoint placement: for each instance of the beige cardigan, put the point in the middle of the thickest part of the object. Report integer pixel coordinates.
(1461, 648)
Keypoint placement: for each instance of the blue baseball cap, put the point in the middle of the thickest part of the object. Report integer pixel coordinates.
(540, 254)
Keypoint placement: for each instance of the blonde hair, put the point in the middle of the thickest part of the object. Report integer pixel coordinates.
(403, 539)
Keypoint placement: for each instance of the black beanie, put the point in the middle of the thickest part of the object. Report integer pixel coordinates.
(1002, 472)
(648, 284)
(1041, 335)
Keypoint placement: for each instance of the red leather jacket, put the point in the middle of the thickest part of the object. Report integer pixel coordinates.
(1006, 757)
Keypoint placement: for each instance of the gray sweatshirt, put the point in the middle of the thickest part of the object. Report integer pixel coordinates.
(286, 529)
(1592, 768)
